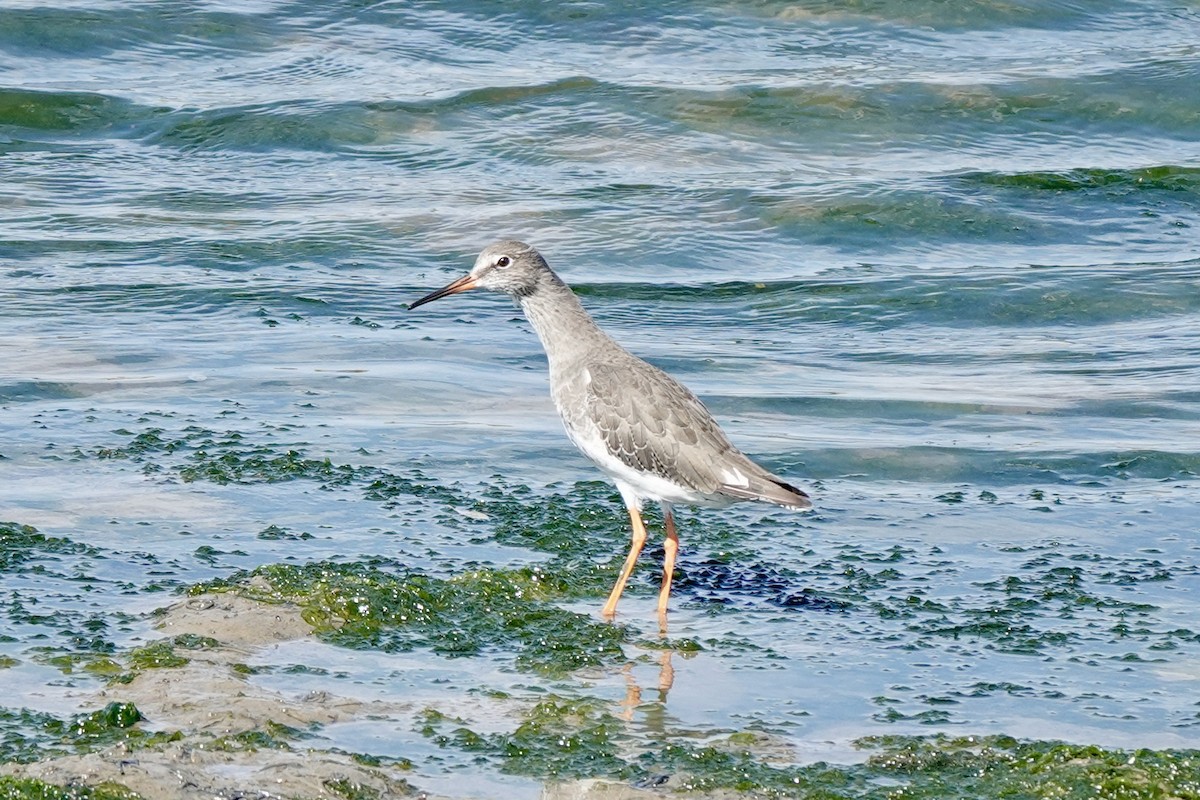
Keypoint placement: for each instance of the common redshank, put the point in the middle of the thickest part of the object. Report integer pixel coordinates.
(639, 425)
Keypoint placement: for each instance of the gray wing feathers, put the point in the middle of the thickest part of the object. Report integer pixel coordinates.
(651, 422)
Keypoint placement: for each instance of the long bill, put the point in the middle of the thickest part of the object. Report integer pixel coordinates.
(463, 284)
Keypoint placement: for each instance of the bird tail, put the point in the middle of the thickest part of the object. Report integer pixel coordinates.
(771, 490)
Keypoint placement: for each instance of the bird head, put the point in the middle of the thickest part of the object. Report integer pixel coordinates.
(513, 268)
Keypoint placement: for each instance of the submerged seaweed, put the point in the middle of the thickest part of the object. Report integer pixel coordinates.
(565, 739)
(27, 736)
(21, 544)
(482, 611)
(33, 789)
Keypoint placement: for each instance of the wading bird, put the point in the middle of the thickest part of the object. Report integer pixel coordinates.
(639, 425)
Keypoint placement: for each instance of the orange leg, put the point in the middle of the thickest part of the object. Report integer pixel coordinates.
(670, 549)
(635, 548)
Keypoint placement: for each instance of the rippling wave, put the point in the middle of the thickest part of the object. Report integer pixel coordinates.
(936, 263)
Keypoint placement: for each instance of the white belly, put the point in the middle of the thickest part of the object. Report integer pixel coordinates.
(636, 486)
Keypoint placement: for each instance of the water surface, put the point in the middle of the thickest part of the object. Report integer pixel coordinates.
(938, 265)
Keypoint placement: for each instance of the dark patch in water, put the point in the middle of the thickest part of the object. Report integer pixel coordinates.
(720, 581)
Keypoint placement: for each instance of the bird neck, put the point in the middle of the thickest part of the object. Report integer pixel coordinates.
(567, 331)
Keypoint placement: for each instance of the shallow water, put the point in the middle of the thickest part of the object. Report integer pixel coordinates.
(939, 266)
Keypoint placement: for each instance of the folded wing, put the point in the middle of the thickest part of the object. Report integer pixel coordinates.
(653, 423)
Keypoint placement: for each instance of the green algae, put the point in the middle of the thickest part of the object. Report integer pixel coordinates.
(370, 760)
(1045, 605)
(1169, 178)
(352, 790)
(27, 736)
(260, 467)
(95, 664)
(999, 766)
(32, 789)
(21, 544)
(194, 641)
(163, 653)
(113, 717)
(49, 601)
(157, 655)
(225, 458)
(275, 532)
(583, 530)
(1048, 599)
(365, 605)
(273, 736)
(558, 738)
(564, 739)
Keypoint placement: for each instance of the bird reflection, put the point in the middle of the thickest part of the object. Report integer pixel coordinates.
(633, 690)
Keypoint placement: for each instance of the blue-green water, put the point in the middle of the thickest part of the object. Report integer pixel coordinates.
(938, 263)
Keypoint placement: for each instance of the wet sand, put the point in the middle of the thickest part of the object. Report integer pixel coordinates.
(208, 699)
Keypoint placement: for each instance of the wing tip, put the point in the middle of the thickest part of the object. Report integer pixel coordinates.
(774, 491)
(800, 500)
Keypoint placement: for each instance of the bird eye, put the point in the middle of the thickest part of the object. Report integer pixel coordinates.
(503, 261)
